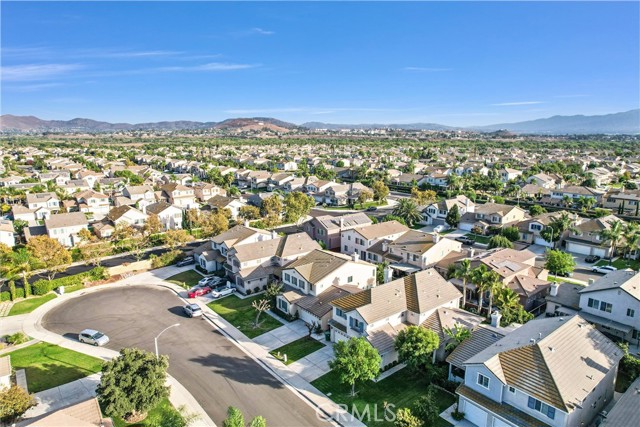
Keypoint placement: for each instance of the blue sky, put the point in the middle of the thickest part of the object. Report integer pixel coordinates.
(452, 63)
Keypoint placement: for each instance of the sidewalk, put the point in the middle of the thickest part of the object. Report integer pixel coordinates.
(64, 395)
(31, 325)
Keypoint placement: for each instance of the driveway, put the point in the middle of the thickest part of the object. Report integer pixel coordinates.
(285, 334)
(216, 372)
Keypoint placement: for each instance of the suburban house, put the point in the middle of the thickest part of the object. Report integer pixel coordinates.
(491, 215)
(507, 174)
(82, 414)
(557, 372)
(169, 215)
(360, 239)
(19, 212)
(204, 191)
(179, 195)
(314, 280)
(587, 240)
(43, 204)
(252, 266)
(65, 227)
(128, 215)
(92, 202)
(7, 233)
(211, 256)
(224, 202)
(543, 180)
(139, 192)
(436, 213)
(344, 194)
(575, 192)
(625, 412)
(612, 303)
(625, 202)
(531, 228)
(381, 312)
(563, 299)
(327, 229)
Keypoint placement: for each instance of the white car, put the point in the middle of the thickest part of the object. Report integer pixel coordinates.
(223, 292)
(210, 281)
(192, 310)
(603, 269)
(91, 336)
(440, 228)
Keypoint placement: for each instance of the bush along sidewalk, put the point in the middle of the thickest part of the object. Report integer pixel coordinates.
(70, 283)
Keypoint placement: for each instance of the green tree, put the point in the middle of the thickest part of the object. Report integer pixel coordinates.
(494, 284)
(613, 235)
(462, 271)
(355, 360)
(408, 210)
(177, 238)
(499, 241)
(415, 345)
(380, 191)
(453, 216)
(404, 418)
(427, 409)
(559, 262)
(536, 210)
(20, 264)
(132, 384)
(423, 198)
(480, 278)
(456, 336)
(249, 212)
(364, 196)
(235, 418)
(51, 255)
(512, 233)
(271, 210)
(14, 401)
(19, 226)
(297, 205)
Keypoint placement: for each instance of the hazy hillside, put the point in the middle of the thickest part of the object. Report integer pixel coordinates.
(408, 126)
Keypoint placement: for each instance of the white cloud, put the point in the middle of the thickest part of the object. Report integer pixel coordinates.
(212, 66)
(509, 104)
(31, 87)
(31, 72)
(262, 32)
(425, 69)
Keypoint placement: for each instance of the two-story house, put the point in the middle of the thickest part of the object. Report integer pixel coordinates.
(65, 227)
(574, 192)
(436, 213)
(179, 195)
(7, 233)
(360, 239)
(542, 180)
(508, 174)
(491, 215)
(612, 303)
(531, 228)
(139, 192)
(625, 202)
(252, 266)
(43, 204)
(311, 282)
(211, 256)
(556, 372)
(344, 194)
(204, 191)
(327, 229)
(128, 215)
(223, 202)
(170, 216)
(413, 251)
(94, 203)
(587, 239)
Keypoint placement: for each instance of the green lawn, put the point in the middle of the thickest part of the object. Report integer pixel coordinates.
(401, 389)
(186, 279)
(240, 314)
(156, 414)
(30, 304)
(49, 366)
(297, 349)
(621, 264)
(479, 239)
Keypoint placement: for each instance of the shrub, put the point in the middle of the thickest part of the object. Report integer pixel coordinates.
(166, 258)
(19, 293)
(248, 291)
(99, 273)
(27, 288)
(457, 415)
(12, 289)
(17, 338)
(14, 402)
(5, 296)
(41, 287)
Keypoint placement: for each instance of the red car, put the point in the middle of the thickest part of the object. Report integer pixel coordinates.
(196, 292)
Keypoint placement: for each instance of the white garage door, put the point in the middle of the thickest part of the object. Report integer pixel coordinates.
(475, 414)
(578, 249)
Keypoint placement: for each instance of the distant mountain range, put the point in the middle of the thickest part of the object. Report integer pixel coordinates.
(618, 123)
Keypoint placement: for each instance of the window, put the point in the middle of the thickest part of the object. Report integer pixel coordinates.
(294, 280)
(282, 305)
(287, 277)
(605, 306)
(536, 227)
(512, 390)
(542, 407)
(301, 283)
(346, 248)
(483, 381)
(593, 303)
(349, 279)
(631, 312)
(340, 313)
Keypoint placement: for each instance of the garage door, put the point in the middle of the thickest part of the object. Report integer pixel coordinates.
(578, 249)
(475, 414)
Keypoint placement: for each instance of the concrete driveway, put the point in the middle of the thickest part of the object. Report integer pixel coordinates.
(314, 365)
(285, 334)
(216, 372)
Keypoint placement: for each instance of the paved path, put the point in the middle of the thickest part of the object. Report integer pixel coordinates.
(64, 395)
(314, 365)
(285, 334)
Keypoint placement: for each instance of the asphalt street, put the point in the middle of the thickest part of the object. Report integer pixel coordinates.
(216, 372)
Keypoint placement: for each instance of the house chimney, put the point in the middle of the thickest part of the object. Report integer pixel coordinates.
(246, 223)
(591, 280)
(385, 246)
(355, 256)
(341, 223)
(274, 234)
(553, 291)
(388, 274)
(472, 253)
(495, 319)
(436, 237)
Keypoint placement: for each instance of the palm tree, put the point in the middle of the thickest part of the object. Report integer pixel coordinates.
(20, 263)
(408, 210)
(613, 235)
(462, 271)
(478, 278)
(494, 286)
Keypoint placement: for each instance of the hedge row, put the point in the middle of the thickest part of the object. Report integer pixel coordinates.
(166, 258)
(71, 283)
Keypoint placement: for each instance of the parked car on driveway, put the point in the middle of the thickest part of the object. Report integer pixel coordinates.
(196, 292)
(603, 269)
(209, 281)
(227, 290)
(372, 209)
(465, 240)
(440, 228)
(186, 261)
(192, 310)
(592, 258)
(93, 337)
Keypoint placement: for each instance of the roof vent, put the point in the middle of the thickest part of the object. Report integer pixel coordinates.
(539, 335)
(532, 340)
(560, 319)
(552, 349)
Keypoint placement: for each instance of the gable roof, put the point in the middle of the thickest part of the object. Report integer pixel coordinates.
(318, 264)
(414, 241)
(236, 234)
(283, 247)
(627, 280)
(158, 208)
(448, 318)
(350, 220)
(381, 229)
(426, 290)
(66, 220)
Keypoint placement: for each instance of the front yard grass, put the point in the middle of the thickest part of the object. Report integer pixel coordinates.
(401, 389)
(49, 366)
(186, 279)
(478, 238)
(297, 349)
(30, 304)
(155, 415)
(621, 264)
(240, 314)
